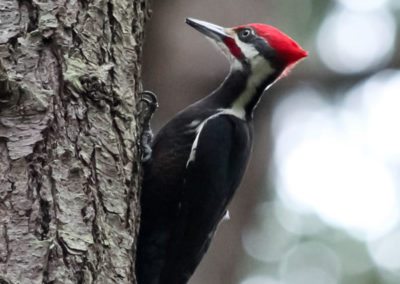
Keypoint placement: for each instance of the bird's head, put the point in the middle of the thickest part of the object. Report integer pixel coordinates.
(253, 45)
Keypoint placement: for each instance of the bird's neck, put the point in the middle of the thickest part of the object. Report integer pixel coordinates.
(242, 89)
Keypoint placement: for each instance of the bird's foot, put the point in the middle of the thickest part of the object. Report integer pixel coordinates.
(147, 105)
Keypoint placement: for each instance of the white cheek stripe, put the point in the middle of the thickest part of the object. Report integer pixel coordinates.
(248, 51)
(260, 68)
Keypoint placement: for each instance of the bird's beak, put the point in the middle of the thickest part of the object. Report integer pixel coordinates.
(223, 37)
(215, 32)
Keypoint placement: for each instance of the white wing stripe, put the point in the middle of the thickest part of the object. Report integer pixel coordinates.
(192, 155)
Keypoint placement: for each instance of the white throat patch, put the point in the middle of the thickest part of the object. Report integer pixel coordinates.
(260, 69)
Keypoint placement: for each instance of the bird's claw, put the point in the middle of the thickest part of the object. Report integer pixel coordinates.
(147, 105)
(150, 98)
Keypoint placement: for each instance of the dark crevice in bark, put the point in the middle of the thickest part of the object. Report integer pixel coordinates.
(129, 211)
(58, 239)
(84, 4)
(7, 242)
(6, 87)
(32, 12)
(77, 41)
(80, 277)
(113, 23)
(47, 265)
(4, 280)
(121, 145)
(46, 218)
(111, 19)
(63, 101)
(96, 233)
(64, 250)
(36, 162)
(95, 180)
(13, 43)
(53, 188)
(97, 240)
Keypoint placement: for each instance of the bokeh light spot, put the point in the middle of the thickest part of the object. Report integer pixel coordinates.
(260, 280)
(324, 165)
(311, 262)
(363, 5)
(301, 224)
(353, 42)
(386, 251)
(268, 241)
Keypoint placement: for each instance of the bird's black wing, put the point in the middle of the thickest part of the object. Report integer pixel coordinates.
(159, 199)
(211, 178)
(161, 192)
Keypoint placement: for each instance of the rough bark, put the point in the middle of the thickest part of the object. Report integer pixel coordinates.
(69, 157)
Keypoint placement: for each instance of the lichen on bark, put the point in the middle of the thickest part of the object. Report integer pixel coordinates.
(69, 170)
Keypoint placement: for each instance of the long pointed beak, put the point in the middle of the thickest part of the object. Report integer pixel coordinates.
(212, 31)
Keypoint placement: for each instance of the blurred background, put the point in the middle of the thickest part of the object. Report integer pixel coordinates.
(320, 202)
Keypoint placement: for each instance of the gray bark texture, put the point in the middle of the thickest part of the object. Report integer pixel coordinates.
(69, 147)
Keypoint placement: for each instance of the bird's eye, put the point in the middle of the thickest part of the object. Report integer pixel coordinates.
(245, 34)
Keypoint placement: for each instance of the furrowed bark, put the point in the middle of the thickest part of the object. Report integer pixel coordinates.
(69, 147)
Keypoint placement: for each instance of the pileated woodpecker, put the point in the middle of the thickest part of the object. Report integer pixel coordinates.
(199, 157)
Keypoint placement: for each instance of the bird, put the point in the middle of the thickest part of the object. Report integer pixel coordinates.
(200, 156)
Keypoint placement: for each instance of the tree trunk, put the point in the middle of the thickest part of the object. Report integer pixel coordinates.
(69, 151)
